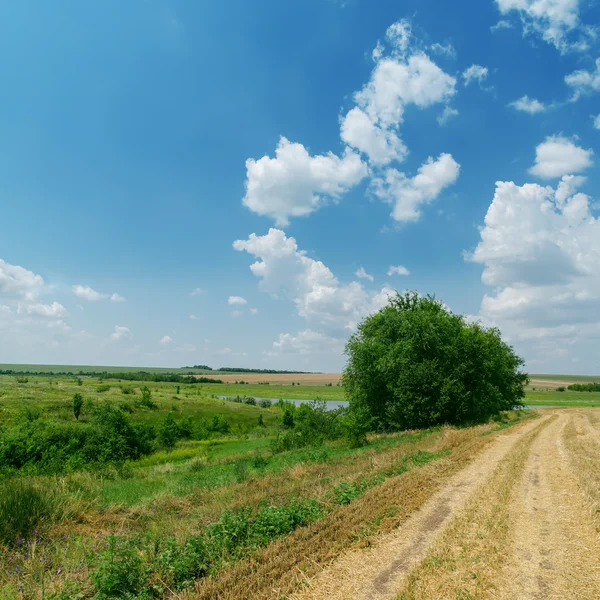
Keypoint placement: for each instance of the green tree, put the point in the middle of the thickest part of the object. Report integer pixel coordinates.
(415, 364)
(77, 405)
(168, 432)
(288, 418)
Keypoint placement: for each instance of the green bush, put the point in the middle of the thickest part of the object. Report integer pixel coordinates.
(77, 405)
(103, 387)
(584, 387)
(415, 364)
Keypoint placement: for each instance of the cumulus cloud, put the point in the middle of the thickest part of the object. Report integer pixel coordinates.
(596, 121)
(402, 76)
(121, 333)
(53, 310)
(446, 115)
(556, 21)
(307, 342)
(540, 249)
(584, 81)
(361, 273)
(399, 270)
(315, 291)
(475, 73)
(91, 295)
(295, 184)
(558, 156)
(408, 194)
(528, 105)
(166, 340)
(17, 282)
(233, 300)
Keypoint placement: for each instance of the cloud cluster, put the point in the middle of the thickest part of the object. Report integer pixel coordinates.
(540, 249)
(584, 81)
(528, 105)
(556, 21)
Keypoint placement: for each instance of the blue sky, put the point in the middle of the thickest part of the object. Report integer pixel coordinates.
(143, 143)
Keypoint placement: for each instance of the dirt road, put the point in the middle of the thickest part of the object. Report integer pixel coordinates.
(515, 524)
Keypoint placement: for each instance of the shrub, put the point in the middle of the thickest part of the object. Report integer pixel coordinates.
(250, 400)
(219, 425)
(168, 432)
(146, 399)
(103, 387)
(127, 389)
(241, 472)
(21, 379)
(560, 388)
(259, 461)
(585, 387)
(77, 405)
(265, 403)
(288, 418)
(415, 364)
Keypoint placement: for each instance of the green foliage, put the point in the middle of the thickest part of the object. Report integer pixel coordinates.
(583, 387)
(77, 405)
(261, 421)
(103, 387)
(415, 364)
(146, 399)
(21, 379)
(265, 403)
(561, 388)
(168, 432)
(288, 418)
(127, 389)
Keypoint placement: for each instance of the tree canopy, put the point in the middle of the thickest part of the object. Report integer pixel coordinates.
(415, 364)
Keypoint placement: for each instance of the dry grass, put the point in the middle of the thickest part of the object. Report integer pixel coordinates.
(286, 564)
(465, 560)
(281, 378)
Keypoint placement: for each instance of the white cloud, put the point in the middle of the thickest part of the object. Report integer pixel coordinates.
(17, 282)
(236, 313)
(233, 300)
(502, 24)
(408, 194)
(307, 342)
(91, 295)
(475, 73)
(596, 121)
(362, 274)
(584, 82)
(197, 292)
(254, 311)
(121, 333)
(528, 105)
(53, 310)
(166, 340)
(446, 115)
(399, 270)
(540, 249)
(381, 145)
(194, 318)
(558, 156)
(295, 184)
(447, 50)
(556, 21)
(400, 77)
(316, 292)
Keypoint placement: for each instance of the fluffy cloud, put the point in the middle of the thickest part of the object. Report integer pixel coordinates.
(17, 282)
(540, 249)
(446, 115)
(400, 78)
(361, 273)
(165, 340)
(408, 194)
(317, 294)
(294, 183)
(91, 295)
(475, 73)
(121, 333)
(307, 342)
(528, 105)
(558, 156)
(596, 121)
(584, 82)
(399, 270)
(54, 310)
(556, 21)
(233, 300)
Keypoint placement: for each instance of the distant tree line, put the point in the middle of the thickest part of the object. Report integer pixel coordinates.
(127, 376)
(585, 387)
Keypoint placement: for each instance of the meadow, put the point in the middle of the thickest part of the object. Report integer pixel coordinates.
(206, 484)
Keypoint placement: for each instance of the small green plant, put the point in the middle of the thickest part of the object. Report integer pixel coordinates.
(168, 432)
(241, 471)
(146, 399)
(259, 461)
(288, 419)
(560, 388)
(77, 405)
(178, 389)
(21, 379)
(127, 389)
(261, 421)
(79, 381)
(103, 387)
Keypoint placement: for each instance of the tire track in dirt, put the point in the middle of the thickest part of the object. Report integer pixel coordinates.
(378, 572)
(555, 550)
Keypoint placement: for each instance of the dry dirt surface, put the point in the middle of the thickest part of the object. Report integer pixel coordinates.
(516, 523)
(280, 378)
